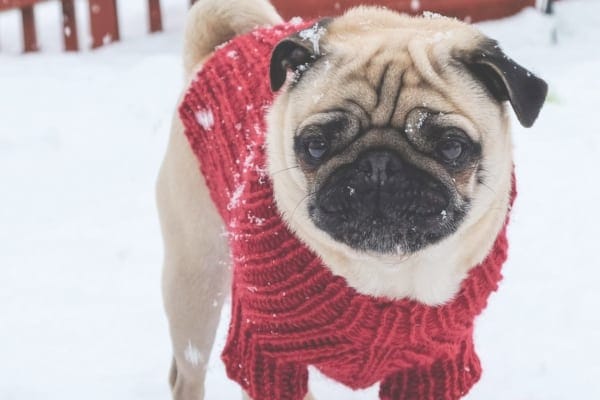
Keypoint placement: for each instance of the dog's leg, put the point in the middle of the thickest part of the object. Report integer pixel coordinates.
(196, 274)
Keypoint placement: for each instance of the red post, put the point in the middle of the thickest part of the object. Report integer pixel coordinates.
(69, 26)
(155, 15)
(104, 22)
(473, 10)
(29, 34)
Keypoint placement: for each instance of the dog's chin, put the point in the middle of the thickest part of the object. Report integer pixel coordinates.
(377, 233)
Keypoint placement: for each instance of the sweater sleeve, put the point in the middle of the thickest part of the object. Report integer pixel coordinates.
(274, 380)
(448, 379)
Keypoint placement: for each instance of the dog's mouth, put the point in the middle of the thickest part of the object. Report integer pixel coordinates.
(381, 204)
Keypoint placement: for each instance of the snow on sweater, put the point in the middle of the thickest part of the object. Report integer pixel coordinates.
(288, 310)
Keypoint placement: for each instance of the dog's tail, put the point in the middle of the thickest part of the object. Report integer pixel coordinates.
(213, 22)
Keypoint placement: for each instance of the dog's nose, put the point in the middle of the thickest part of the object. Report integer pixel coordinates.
(379, 165)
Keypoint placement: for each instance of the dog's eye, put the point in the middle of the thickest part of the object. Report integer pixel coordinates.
(453, 148)
(450, 150)
(317, 148)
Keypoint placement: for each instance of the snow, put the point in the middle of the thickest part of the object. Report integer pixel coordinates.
(256, 220)
(81, 140)
(415, 5)
(193, 355)
(206, 119)
(313, 35)
(409, 129)
(234, 201)
(296, 21)
(431, 15)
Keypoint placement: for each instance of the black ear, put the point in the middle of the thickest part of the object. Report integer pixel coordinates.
(507, 80)
(289, 54)
(296, 52)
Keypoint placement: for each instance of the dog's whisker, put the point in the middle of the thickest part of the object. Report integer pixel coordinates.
(306, 197)
(488, 187)
(285, 169)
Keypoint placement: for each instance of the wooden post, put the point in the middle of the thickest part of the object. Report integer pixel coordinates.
(29, 34)
(104, 22)
(155, 15)
(549, 7)
(69, 26)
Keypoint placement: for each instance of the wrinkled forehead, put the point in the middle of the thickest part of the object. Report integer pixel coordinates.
(386, 72)
(373, 21)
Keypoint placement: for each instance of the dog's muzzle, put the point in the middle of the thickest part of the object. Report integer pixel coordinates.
(384, 204)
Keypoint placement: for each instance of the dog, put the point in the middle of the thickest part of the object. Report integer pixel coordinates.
(374, 188)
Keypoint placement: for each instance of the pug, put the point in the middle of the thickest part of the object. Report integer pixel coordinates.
(354, 176)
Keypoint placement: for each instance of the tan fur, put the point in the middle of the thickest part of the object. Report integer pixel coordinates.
(196, 276)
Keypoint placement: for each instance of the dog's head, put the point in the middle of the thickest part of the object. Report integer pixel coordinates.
(391, 140)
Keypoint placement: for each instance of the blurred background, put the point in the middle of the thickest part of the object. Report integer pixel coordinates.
(82, 134)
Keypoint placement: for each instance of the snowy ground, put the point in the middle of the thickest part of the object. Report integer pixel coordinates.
(81, 138)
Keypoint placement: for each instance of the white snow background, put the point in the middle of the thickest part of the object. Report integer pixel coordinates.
(81, 139)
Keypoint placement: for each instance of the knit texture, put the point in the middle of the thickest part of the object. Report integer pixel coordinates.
(288, 310)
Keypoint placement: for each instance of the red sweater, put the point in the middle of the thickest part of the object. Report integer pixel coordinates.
(288, 310)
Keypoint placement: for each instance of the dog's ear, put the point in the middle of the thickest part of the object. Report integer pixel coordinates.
(507, 81)
(296, 52)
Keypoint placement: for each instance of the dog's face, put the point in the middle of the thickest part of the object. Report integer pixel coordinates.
(391, 142)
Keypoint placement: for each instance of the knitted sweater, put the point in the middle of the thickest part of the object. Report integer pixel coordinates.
(288, 310)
